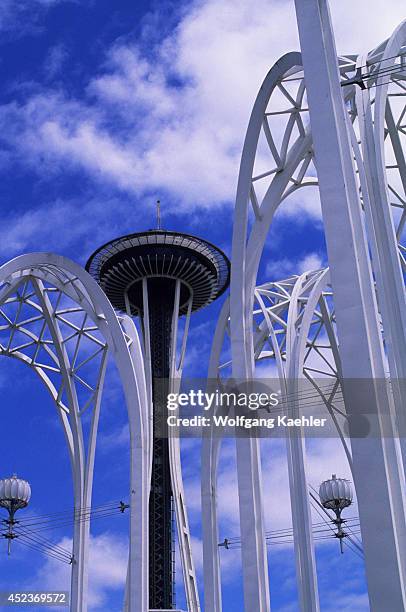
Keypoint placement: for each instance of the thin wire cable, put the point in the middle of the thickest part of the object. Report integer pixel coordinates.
(354, 543)
(77, 521)
(368, 65)
(305, 399)
(42, 548)
(385, 71)
(354, 550)
(386, 59)
(358, 67)
(354, 534)
(72, 516)
(307, 394)
(393, 81)
(288, 531)
(31, 539)
(283, 542)
(296, 395)
(48, 554)
(41, 540)
(71, 510)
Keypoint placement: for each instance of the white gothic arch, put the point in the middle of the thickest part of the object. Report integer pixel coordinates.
(56, 319)
(269, 172)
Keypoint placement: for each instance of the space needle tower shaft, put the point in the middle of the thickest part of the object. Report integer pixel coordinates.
(160, 276)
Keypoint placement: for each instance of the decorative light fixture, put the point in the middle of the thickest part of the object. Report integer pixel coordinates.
(15, 494)
(336, 495)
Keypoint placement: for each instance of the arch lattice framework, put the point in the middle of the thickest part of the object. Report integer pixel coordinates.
(56, 319)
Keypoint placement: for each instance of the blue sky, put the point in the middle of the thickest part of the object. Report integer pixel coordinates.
(105, 107)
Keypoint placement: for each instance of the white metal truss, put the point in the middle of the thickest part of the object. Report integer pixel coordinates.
(360, 338)
(56, 319)
(277, 160)
(380, 123)
(294, 324)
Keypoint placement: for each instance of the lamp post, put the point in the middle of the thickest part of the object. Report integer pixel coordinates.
(336, 494)
(15, 493)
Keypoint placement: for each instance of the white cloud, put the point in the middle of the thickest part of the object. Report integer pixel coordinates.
(18, 17)
(93, 149)
(67, 224)
(310, 262)
(112, 440)
(57, 56)
(138, 131)
(360, 25)
(324, 457)
(108, 567)
(302, 203)
(349, 602)
(285, 267)
(280, 268)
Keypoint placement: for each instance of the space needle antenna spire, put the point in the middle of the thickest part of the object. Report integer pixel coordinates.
(158, 215)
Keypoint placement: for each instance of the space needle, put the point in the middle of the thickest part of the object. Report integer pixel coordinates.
(159, 276)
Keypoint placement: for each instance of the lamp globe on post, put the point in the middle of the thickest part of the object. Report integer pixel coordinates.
(15, 493)
(336, 495)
